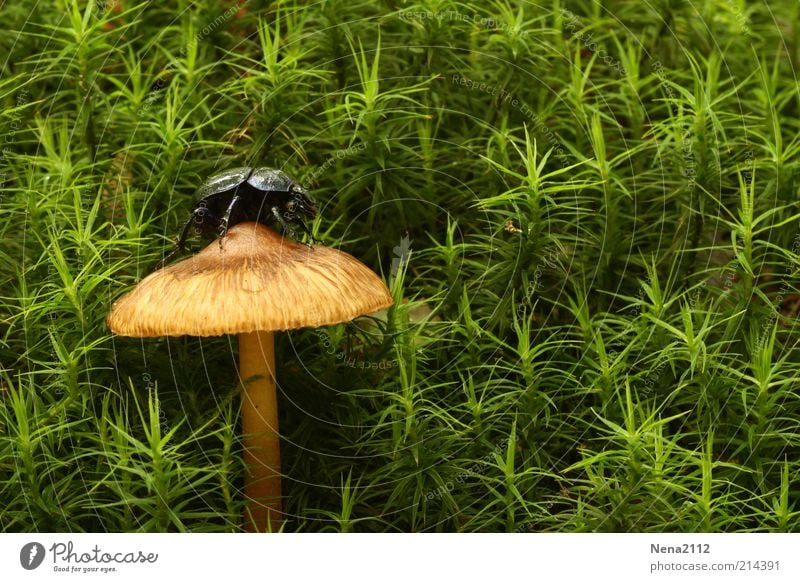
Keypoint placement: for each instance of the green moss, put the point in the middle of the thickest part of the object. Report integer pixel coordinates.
(587, 217)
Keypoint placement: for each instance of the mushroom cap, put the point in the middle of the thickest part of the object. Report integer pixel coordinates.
(256, 280)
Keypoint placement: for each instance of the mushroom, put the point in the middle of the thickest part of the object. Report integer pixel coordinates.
(254, 284)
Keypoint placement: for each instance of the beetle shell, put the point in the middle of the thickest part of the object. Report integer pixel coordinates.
(269, 180)
(263, 179)
(222, 182)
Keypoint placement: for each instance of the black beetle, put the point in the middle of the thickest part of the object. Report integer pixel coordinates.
(246, 194)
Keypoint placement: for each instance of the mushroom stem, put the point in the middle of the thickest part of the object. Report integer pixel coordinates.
(262, 451)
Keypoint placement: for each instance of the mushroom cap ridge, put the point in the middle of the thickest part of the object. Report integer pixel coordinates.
(256, 281)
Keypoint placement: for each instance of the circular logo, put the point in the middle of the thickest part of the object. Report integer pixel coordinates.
(31, 555)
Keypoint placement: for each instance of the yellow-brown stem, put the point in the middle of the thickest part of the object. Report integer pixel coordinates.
(262, 450)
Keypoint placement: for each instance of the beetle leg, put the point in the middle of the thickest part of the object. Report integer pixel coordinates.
(222, 229)
(181, 244)
(282, 221)
(160, 264)
(308, 232)
(199, 217)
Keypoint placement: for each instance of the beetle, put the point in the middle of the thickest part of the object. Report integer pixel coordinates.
(246, 194)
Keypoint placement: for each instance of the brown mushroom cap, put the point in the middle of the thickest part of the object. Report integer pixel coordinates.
(257, 281)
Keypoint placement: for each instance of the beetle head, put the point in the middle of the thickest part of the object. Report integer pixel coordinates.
(301, 202)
